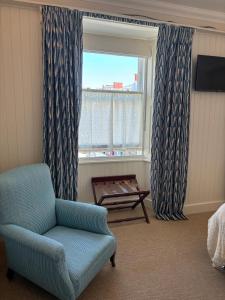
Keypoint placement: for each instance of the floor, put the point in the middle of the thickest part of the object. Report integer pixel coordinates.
(159, 261)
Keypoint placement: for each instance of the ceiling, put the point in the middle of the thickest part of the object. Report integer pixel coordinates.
(214, 5)
(110, 28)
(206, 14)
(201, 13)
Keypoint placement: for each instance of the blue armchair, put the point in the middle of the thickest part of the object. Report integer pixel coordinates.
(58, 244)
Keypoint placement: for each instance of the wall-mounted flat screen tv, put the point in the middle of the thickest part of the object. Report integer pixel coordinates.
(210, 74)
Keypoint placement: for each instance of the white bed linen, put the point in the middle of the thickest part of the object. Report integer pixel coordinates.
(216, 237)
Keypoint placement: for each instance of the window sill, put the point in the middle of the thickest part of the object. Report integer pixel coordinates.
(100, 160)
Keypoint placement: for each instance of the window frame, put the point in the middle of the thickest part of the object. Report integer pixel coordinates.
(147, 93)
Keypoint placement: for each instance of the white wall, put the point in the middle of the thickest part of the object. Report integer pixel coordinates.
(21, 114)
(20, 87)
(206, 174)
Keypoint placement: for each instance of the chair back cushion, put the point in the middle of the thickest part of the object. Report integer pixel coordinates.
(27, 198)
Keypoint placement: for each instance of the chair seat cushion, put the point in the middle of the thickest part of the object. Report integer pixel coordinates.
(86, 253)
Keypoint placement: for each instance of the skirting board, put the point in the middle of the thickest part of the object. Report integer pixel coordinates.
(194, 208)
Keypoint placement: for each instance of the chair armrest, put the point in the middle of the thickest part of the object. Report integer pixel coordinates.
(35, 242)
(82, 216)
(39, 259)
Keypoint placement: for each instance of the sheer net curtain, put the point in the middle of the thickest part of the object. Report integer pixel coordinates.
(103, 117)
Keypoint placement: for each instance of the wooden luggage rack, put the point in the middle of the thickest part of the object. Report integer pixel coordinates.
(111, 192)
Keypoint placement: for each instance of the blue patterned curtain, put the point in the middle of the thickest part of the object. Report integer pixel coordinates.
(170, 127)
(62, 61)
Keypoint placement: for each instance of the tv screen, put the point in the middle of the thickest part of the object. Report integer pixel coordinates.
(210, 74)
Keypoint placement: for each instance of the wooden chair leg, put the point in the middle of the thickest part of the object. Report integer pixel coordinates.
(10, 274)
(112, 260)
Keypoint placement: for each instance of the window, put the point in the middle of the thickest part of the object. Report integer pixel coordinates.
(112, 105)
(118, 68)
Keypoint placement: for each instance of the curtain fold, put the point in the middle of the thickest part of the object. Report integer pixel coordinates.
(62, 67)
(170, 124)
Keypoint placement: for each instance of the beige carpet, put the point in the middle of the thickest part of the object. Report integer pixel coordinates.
(159, 261)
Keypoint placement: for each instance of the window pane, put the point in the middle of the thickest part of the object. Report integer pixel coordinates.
(95, 124)
(111, 121)
(112, 72)
(127, 120)
(112, 106)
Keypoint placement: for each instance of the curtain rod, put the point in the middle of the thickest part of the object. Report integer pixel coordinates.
(38, 4)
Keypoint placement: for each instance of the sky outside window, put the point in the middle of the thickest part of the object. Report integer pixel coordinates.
(106, 71)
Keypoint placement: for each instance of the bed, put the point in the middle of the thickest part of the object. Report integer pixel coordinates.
(216, 238)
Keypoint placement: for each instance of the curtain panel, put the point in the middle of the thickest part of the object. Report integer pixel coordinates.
(170, 124)
(62, 67)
